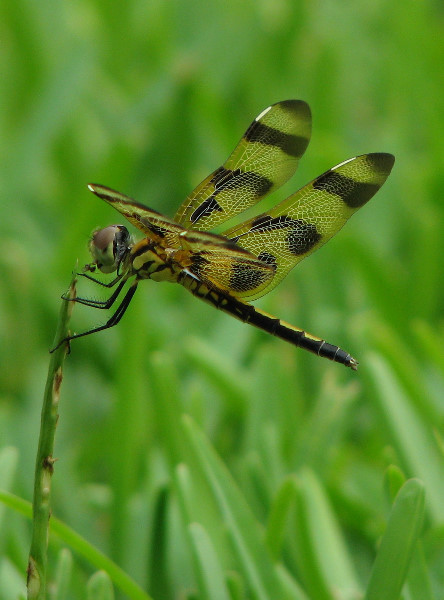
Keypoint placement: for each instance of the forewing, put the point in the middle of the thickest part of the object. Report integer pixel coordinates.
(264, 159)
(156, 226)
(222, 264)
(304, 221)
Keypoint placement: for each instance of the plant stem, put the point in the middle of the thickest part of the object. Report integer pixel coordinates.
(44, 466)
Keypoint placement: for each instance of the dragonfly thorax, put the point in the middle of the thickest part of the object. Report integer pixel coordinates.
(151, 261)
(108, 247)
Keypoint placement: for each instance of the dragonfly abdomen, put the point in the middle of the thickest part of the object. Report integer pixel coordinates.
(314, 344)
(298, 337)
(247, 313)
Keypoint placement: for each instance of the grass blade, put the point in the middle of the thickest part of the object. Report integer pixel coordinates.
(322, 553)
(410, 434)
(245, 534)
(398, 543)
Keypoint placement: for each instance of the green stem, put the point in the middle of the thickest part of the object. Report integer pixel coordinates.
(44, 466)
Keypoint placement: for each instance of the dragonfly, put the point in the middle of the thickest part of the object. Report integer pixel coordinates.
(248, 260)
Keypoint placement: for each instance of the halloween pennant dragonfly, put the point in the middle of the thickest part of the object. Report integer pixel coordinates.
(250, 259)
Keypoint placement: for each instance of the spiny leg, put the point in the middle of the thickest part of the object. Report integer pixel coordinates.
(104, 304)
(107, 285)
(111, 322)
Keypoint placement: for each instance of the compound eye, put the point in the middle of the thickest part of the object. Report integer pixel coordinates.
(108, 246)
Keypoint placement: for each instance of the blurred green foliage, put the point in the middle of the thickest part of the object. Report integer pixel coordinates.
(148, 97)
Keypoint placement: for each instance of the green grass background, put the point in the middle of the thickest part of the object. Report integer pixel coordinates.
(148, 97)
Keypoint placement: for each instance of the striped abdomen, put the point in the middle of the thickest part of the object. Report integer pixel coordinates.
(249, 314)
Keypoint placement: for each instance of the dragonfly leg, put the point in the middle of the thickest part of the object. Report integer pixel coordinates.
(107, 285)
(104, 304)
(111, 322)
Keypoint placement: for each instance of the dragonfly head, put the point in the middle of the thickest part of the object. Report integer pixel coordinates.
(109, 247)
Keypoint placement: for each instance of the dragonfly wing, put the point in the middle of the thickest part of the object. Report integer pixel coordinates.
(264, 159)
(304, 221)
(156, 226)
(223, 264)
